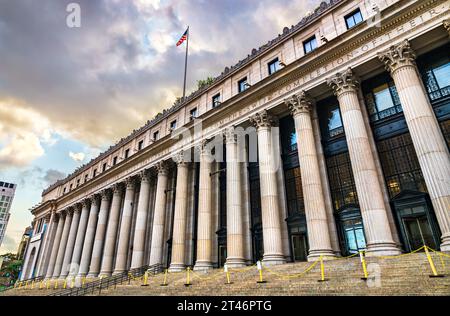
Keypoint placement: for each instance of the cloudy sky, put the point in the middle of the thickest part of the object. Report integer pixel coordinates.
(66, 94)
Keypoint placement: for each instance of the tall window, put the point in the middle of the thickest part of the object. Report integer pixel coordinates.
(156, 135)
(400, 165)
(140, 145)
(255, 193)
(216, 100)
(173, 125)
(294, 191)
(353, 19)
(104, 166)
(127, 153)
(193, 113)
(435, 68)
(342, 183)
(288, 135)
(242, 85)
(310, 44)
(330, 120)
(114, 161)
(94, 173)
(274, 66)
(382, 98)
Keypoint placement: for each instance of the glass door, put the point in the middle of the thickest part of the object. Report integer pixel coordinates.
(299, 247)
(418, 232)
(354, 235)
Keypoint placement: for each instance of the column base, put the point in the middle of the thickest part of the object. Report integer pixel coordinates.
(235, 262)
(203, 265)
(117, 272)
(105, 274)
(273, 259)
(176, 267)
(382, 249)
(445, 245)
(327, 254)
(92, 275)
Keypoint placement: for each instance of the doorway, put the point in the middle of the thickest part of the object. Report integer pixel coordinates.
(351, 230)
(222, 255)
(417, 223)
(299, 247)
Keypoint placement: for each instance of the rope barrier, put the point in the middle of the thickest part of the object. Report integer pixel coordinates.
(401, 255)
(293, 276)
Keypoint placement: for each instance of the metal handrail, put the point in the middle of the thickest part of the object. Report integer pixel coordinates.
(11, 287)
(107, 282)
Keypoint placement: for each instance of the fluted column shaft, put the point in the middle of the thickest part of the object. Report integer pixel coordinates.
(313, 195)
(49, 237)
(235, 225)
(156, 251)
(71, 242)
(56, 242)
(429, 143)
(62, 244)
(270, 210)
(125, 228)
(137, 259)
(81, 233)
(111, 231)
(100, 233)
(179, 221)
(376, 225)
(204, 225)
(89, 239)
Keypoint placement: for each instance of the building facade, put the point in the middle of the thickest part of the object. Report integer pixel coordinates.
(329, 139)
(7, 191)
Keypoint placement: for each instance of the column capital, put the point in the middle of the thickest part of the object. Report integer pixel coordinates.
(343, 82)
(95, 199)
(105, 194)
(229, 135)
(447, 25)
(162, 168)
(299, 103)
(263, 120)
(86, 202)
(398, 56)
(130, 183)
(179, 159)
(117, 188)
(77, 207)
(144, 175)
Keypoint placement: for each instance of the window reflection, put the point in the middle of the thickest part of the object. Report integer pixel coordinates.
(383, 98)
(442, 75)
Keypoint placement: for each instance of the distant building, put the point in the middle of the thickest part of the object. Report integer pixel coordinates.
(24, 242)
(7, 191)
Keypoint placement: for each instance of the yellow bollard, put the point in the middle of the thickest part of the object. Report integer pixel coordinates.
(32, 285)
(225, 269)
(165, 279)
(20, 285)
(432, 266)
(65, 284)
(145, 279)
(322, 270)
(83, 281)
(56, 284)
(260, 268)
(72, 283)
(48, 284)
(363, 262)
(188, 277)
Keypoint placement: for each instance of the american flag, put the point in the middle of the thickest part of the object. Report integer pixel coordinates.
(183, 38)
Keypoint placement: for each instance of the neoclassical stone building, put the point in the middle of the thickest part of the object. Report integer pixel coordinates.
(345, 146)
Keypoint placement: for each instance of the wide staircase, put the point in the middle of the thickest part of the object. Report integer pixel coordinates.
(407, 274)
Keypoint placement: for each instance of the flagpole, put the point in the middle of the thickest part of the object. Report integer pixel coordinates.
(185, 63)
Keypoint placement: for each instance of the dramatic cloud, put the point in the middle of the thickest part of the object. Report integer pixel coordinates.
(51, 176)
(22, 133)
(100, 81)
(78, 157)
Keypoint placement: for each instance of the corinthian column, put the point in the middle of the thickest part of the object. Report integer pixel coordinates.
(270, 210)
(81, 232)
(71, 241)
(429, 143)
(204, 225)
(235, 235)
(89, 239)
(179, 221)
(99, 240)
(125, 227)
(62, 245)
(55, 247)
(159, 215)
(373, 211)
(314, 198)
(137, 259)
(111, 231)
(49, 237)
